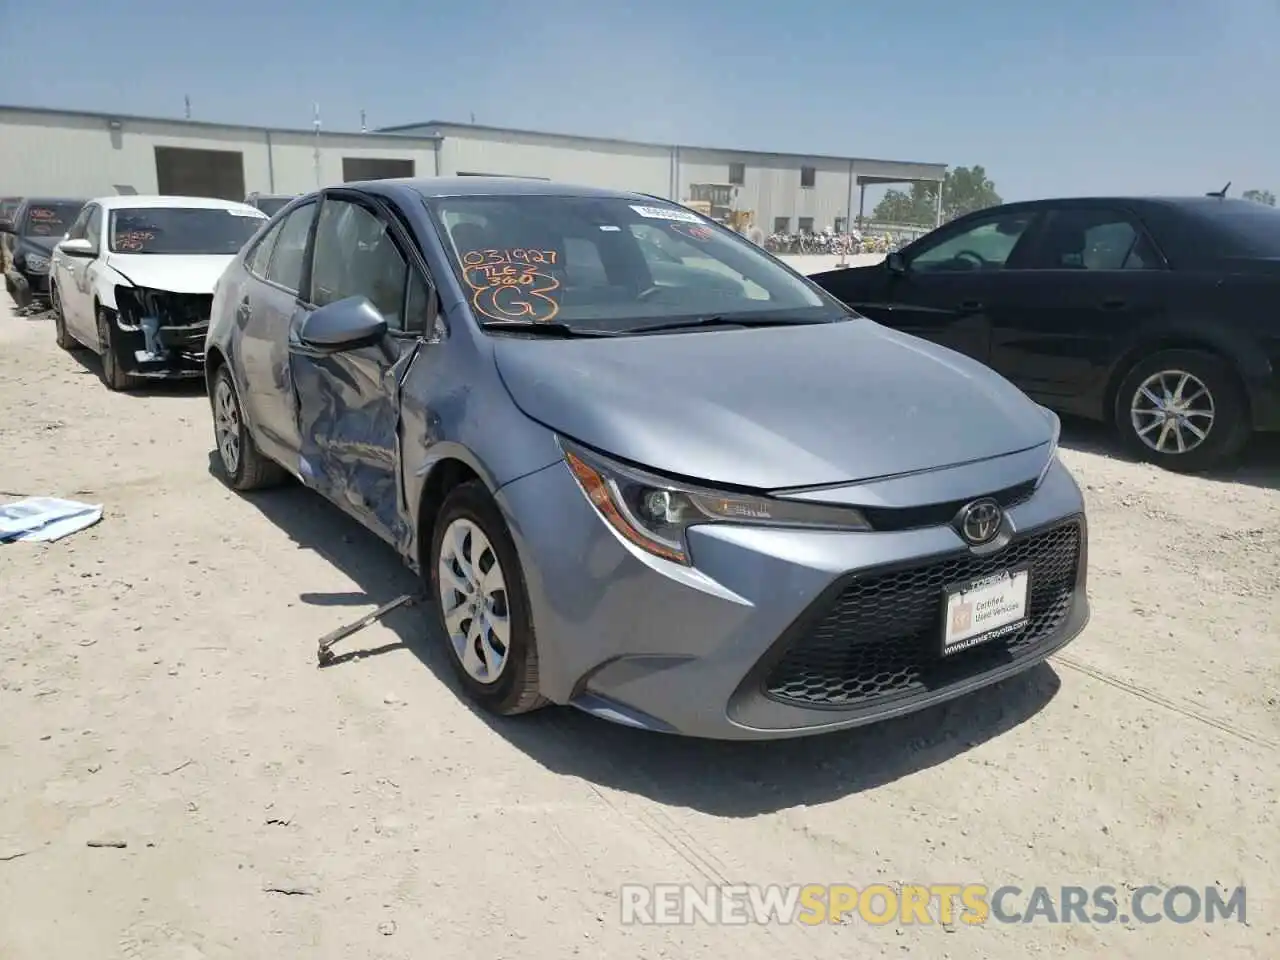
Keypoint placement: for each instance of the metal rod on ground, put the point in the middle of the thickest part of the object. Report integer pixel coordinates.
(325, 651)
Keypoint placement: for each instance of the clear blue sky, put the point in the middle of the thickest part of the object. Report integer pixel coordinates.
(1090, 96)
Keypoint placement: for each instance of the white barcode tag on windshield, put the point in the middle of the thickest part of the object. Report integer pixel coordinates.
(666, 213)
(252, 214)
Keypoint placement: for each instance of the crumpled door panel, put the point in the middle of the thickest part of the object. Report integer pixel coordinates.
(349, 423)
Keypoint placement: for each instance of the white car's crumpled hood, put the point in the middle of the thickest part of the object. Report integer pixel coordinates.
(172, 272)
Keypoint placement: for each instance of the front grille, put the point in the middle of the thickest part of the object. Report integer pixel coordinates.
(940, 514)
(880, 638)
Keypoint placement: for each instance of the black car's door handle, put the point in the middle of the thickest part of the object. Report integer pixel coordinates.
(1114, 304)
(970, 304)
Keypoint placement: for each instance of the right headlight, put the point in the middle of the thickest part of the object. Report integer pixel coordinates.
(654, 513)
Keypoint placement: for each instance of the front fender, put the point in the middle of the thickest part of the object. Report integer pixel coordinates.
(103, 281)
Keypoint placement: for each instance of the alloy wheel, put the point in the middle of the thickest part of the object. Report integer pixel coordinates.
(473, 600)
(226, 425)
(1172, 412)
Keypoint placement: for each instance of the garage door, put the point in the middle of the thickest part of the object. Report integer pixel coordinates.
(370, 168)
(200, 173)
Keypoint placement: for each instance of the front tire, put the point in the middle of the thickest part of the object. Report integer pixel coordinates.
(243, 465)
(482, 606)
(113, 375)
(1183, 410)
(60, 335)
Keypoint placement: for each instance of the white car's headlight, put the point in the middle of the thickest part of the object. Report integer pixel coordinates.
(36, 263)
(653, 512)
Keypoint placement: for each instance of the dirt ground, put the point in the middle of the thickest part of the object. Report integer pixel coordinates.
(158, 688)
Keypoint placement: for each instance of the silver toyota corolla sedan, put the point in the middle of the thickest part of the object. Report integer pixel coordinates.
(644, 468)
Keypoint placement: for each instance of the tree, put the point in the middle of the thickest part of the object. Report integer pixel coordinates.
(1260, 196)
(964, 190)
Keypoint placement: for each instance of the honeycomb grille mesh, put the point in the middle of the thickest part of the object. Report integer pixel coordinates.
(880, 639)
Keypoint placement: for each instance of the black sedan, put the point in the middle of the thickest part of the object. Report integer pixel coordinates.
(1161, 315)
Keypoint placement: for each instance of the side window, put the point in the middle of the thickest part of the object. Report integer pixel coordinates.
(988, 245)
(260, 255)
(81, 223)
(356, 255)
(93, 227)
(291, 249)
(1094, 239)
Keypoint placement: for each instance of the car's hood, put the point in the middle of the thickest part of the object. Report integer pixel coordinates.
(174, 273)
(773, 408)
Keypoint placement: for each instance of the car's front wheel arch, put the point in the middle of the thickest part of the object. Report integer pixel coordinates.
(1131, 358)
(1187, 393)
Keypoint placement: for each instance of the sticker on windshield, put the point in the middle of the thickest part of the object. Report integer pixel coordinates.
(666, 213)
(609, 228)
(248, 214)
(512, 284)
(134, 240)
(694, 231)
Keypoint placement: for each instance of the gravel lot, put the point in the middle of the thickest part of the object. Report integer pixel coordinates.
(158, 689)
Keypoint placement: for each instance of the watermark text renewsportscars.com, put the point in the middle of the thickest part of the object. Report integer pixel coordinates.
(925, 904)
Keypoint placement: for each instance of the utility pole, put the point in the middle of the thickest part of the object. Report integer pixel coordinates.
(364, 127)
(187, 101)
(317, 148)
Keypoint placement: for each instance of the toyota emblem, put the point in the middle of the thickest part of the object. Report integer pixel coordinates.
(980, 521)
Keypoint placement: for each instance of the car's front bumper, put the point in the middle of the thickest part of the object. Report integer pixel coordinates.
(777, 633)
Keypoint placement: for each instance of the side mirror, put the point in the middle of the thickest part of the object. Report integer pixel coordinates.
(78, 248)
(343, 325)
(895, 263)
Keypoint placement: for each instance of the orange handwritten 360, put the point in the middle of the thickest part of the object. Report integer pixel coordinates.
(506, 288)
(477, 258)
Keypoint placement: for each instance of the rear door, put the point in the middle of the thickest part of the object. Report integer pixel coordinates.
(954, 281)
(1094, 277)
(348, 402)
(266, 311)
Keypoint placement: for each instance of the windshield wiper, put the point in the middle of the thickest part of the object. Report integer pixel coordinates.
(722, 320)
(542, 329)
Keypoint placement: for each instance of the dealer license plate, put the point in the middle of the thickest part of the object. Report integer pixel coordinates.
(982, 610)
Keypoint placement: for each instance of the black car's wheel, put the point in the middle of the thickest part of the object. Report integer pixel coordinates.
(243, 465)
(113, 375)
(481, 603)
(60, 335)
(1184, 410)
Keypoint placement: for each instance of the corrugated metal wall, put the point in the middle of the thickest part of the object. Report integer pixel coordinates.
(68, 154)
(71, 155)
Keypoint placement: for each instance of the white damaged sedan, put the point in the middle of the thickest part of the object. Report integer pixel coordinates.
(133, 281)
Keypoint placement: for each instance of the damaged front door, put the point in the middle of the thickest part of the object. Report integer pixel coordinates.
(348, 400)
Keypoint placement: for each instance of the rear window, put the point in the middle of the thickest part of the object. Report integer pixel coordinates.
(1248, 228)
(51, 219)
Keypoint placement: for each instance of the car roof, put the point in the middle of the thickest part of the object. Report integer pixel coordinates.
(36, 200)
(1189, 203)
(433, 187)
(171, 202)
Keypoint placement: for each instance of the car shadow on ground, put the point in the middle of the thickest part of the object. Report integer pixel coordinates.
(1258, 466)
(91, 363)
(731, 779)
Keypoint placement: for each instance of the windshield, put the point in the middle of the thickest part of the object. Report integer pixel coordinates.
(51, 219)
(272, 205)
(181, 230)
(1253, 229)
(601, 263)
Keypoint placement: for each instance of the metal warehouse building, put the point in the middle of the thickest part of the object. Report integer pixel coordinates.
(67, 153)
